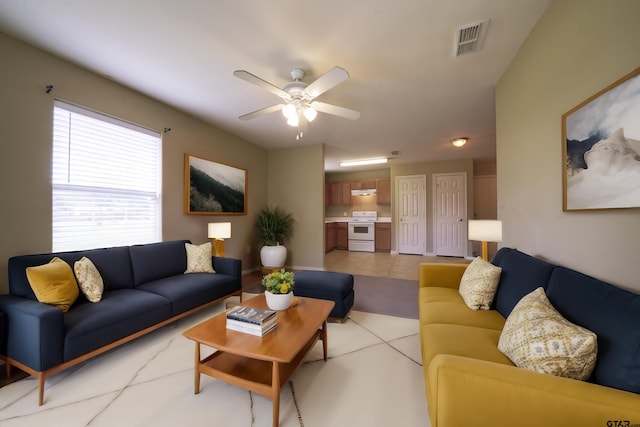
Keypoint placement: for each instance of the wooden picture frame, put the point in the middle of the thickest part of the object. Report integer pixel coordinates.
(601, 149)
(213, 188)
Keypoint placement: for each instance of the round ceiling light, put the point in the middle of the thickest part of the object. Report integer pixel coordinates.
(459, 142)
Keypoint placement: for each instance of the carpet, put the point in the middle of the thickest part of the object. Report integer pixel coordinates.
(373, 377)
(383, 295)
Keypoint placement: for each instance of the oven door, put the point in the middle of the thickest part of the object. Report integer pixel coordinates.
(361, 231)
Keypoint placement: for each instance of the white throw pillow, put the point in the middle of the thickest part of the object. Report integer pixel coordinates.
(479, 284)
(199, 258)
(537, 337)
(89, 279)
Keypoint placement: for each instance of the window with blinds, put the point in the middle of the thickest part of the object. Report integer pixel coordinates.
(106, 181)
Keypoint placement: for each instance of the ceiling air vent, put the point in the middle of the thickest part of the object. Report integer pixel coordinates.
(469, 37)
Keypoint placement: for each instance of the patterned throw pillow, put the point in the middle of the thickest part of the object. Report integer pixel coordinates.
(54, 284)
(89, 279)
(199, 258)
(479, 284)
(537, 337)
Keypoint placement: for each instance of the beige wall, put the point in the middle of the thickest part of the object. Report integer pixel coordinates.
(296, 184)
(577, 48)
(25, 141)
(428, 169)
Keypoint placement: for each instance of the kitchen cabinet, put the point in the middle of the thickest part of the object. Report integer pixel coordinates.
(327, 193)
(383, 192)
(364, 184)
(383, 237)
(340, 193)
(330, 236)
(342, 235)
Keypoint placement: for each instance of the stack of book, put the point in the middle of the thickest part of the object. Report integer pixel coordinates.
(254, 321)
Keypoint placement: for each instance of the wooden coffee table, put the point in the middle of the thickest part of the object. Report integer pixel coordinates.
(261, 364)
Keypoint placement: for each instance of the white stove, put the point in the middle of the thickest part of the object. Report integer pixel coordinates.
(362, 228)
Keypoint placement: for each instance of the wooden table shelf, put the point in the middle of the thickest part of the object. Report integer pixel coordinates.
(261, 364)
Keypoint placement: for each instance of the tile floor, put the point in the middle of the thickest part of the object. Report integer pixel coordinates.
(397, 266)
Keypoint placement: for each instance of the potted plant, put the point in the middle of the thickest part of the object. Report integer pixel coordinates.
(274, 227)
(278, 289)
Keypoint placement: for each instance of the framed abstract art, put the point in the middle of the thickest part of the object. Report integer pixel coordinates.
(601, 149)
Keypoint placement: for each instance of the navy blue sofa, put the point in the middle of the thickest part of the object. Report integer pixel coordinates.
(144, 288)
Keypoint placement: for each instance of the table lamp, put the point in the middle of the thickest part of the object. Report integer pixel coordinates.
(485, 230)
(218, 231)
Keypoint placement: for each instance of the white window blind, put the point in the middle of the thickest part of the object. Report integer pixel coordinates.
(106, 181)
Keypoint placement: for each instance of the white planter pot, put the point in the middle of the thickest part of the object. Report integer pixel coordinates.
(273, 256)
(278, 301)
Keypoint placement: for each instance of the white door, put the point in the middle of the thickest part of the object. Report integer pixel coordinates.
(412, 194)
(450, 205)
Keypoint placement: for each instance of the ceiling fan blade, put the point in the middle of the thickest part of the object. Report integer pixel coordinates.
(330, 79)
(257, 113)
(347, 113)
(247, 76)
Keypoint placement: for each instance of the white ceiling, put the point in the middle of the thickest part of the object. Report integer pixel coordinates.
(413, 93)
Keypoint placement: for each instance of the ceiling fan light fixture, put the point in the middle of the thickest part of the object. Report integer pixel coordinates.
(289, 111)
(309, 113)
(363, 162)
(293, 120)
(459, 142)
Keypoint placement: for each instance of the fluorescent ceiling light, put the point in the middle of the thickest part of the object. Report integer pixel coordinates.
(363, 162)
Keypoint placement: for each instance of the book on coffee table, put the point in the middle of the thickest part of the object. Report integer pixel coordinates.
(252, 329)
(256, 316)
(251, 320)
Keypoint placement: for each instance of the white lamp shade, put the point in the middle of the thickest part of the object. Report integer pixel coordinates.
(219, 230)
(485, 230)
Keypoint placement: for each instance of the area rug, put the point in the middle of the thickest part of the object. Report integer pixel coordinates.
(372, 377)
(383, 295)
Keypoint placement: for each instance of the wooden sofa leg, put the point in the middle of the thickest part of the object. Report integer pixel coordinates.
(40, 389)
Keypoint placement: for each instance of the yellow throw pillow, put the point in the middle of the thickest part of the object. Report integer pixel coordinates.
(199, 258)
(54, 284)
(537, 337)
(479, 284)
(89, 279)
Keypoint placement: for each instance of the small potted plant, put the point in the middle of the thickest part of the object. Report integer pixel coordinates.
(274, 227)
(278, 289)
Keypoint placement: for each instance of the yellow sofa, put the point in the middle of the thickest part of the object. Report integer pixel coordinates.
(469, 382)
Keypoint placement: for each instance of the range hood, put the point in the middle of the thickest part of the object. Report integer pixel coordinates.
(368, 192)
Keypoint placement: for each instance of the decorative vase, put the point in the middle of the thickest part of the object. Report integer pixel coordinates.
(278, 301)
(273, 256)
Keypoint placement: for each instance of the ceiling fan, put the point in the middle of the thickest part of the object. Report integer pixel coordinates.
(298, 97)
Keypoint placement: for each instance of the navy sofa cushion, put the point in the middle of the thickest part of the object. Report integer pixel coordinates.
(613, 314)
(120, 313)
(187, 291)
(157, 260)
(104, 260)
(521, 275)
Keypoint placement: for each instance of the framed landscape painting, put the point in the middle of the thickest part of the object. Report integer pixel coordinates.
(212, 188)
(601, 149)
